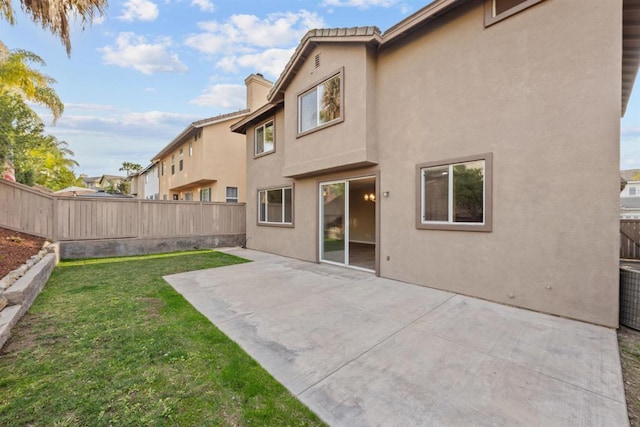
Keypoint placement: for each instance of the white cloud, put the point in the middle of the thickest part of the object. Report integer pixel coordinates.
(135, 52)
(139, 10)
(269, 62)
(248, 32)
(204, 5)
(225, 96)
(102, 137)
(360, 4)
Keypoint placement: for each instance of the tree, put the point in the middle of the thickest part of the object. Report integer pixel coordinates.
(37, 158)
(130, 167)
(17, 76)
(54, 15)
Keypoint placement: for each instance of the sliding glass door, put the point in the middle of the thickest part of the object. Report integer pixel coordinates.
(348, 222)
(333, 214)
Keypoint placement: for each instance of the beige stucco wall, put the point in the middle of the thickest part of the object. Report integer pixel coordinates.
(218, 161)
(542, 93)
(539, 91)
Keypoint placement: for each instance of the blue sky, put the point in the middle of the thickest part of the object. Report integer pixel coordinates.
(139, 75)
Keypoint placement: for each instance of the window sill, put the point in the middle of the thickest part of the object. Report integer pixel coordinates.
(454, 227)
(274, 224)
(264, 153)
(490, 19)
(322, 126)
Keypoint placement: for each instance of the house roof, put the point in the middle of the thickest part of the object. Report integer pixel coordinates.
(190, 130)
(630, 48)
(308, 43)
(628, 174)
(260, 114)
(432, 11)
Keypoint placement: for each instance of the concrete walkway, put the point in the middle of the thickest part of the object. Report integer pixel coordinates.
(361, 350)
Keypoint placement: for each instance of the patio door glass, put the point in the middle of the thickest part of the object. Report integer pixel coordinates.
(333, 216)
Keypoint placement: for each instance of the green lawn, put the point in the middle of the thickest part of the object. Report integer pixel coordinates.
(109, 342)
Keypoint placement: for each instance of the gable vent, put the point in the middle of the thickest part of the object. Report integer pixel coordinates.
(317, 60)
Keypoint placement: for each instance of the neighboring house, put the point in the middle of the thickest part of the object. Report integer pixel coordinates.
(102, 182)
(145, 184)
(630, 194)
(92, 182)
(438, 153)
(206, 162)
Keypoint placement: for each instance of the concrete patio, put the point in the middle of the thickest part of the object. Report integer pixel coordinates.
(361, 350)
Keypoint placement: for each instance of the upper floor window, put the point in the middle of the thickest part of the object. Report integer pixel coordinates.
(190, 148)
(455, 194)
(173, 164)
(163, 167)
(264, 138)
(232, 194)
(632, 191)
(497, 10)
(180, 160)
(321, 105)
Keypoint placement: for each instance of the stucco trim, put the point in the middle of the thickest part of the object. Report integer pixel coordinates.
(488, 195)
(293, 206)
(338, 72)
(490, 18)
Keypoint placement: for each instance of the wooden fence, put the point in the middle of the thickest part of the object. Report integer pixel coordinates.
(85, 218)
(630, 239)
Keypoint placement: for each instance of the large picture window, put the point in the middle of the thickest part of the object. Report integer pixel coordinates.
(275, 206)
(320, 105)
(264, 138)
(455, 194)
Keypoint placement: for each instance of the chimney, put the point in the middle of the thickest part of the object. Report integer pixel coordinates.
(257, 90)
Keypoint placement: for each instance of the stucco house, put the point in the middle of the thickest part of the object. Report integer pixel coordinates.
(145, 184)
(206, 161)
(436, 152)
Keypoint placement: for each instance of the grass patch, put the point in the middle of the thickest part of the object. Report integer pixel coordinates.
(109, 342)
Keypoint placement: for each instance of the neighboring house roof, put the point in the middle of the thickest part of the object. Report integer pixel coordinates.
(90, 179)
(437, 8)
(105, 194)
(630, 202)
(190, 130)
(110, 178)
(628, 174)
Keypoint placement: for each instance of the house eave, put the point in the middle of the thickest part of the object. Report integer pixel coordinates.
(257, 116)
(190, 130)
(366, 35)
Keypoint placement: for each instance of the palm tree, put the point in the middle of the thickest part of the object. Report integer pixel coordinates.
(54, 14)
(17, 76)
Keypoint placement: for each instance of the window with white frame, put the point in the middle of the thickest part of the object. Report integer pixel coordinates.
(275, 206)
(264, 138)
(320, 105)
(232, 194)
(190, 148)
(164, 164)
(173, 164)
(180, 160)
(632, 191)
(455, 194)
(205, 195)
